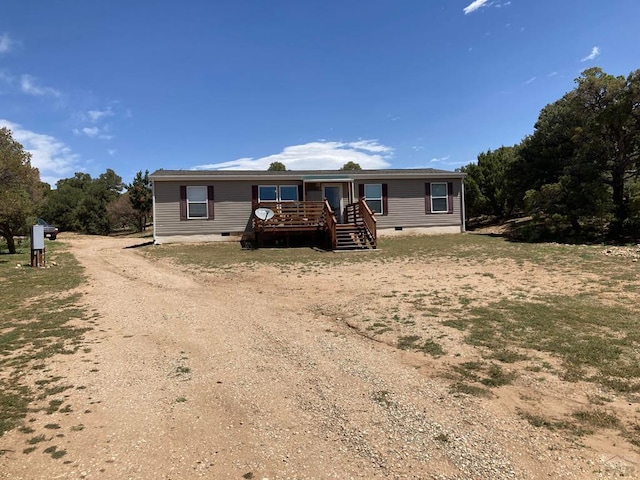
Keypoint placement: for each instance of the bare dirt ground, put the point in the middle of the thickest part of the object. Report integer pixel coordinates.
(262, 373)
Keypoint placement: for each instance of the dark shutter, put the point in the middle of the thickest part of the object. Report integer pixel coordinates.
(385, 203)
(427, 197)
(183, 202)
(450, 197)
(360, 191)
(254, 195)
(300, 192)
(210, 202)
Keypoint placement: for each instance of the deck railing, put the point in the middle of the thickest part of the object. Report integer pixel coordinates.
(361, 211)
(331, 223)
(369, 220)
(290, 215)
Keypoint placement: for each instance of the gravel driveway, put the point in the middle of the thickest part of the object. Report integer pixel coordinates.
(192, 375)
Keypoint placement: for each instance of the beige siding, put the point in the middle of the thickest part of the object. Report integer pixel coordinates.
(232, 206)
(232, 209)
(406, 202)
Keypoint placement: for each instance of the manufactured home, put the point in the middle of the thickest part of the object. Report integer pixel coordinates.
(340, 209)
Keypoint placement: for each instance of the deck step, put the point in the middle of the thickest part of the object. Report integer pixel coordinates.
(352, 237)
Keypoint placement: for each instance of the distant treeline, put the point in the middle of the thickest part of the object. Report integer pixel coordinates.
(577, 174)
(99, 205)
(80, 203)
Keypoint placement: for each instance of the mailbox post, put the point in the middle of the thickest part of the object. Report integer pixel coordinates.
(38, 252)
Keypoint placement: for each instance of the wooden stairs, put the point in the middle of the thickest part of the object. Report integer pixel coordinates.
(353, 236)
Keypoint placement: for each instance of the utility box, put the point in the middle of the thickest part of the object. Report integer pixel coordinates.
(37, 237)
(37, 246)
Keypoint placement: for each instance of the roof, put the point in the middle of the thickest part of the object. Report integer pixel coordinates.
(304, 175)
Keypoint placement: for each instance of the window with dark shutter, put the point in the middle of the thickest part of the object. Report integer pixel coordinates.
(374, 195)
(438, 197)
(196, 202)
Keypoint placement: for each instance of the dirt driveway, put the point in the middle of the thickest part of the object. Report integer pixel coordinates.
(245, 375)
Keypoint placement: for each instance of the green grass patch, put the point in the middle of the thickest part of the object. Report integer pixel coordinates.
(585, 334)
(38, 304)
(415, 342)
(597, 418)
(469, 389)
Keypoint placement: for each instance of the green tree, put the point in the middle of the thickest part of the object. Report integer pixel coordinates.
(351, 166)
(141, 198)
(20, 188)
(585, 151)
(277, 167)
(80, 203)
(488, 187)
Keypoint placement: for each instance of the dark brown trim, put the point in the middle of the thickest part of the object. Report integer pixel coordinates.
(210, 198)
(361, 190)
(300, 193)
(385, 202)
(254, 195)
(449, 197)
(183, 202)
(427, 198)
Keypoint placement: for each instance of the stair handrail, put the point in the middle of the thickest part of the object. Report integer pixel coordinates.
(369, 219)
(331, 223)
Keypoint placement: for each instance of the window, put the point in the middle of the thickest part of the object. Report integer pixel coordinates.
(197, 202)
(267, 193)
(273, 193)
(373, 196)
(288, 193)
(439, 197)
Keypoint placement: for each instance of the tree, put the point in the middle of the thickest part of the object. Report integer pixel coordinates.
(121, 213)
(20, 188)
(585, 151)
(141, 198)
(487, 187)
(349, 166)
(276, 167)
(80, 203)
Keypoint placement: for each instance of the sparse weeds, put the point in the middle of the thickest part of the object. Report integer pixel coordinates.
(37, 306)
(414, 342)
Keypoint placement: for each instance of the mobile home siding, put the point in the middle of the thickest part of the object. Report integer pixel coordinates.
(232, 209)
(406, 204)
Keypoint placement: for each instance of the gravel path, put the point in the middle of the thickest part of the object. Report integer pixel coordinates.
(237, 376)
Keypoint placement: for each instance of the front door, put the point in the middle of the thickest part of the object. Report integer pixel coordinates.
(333, 194)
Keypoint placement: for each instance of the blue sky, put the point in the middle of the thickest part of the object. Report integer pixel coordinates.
(88, 85)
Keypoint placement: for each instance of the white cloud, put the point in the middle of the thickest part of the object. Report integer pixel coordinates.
(475, 5)
(441, 159)
(321, 155)
(29, 86)
(93, 132)
(111, 151)
(5, 43)
(530, 81)
(595, 51)
(96, 115)
(552, 74)
(51, 156)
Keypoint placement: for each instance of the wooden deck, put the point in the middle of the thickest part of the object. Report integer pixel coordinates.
(315, 218)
